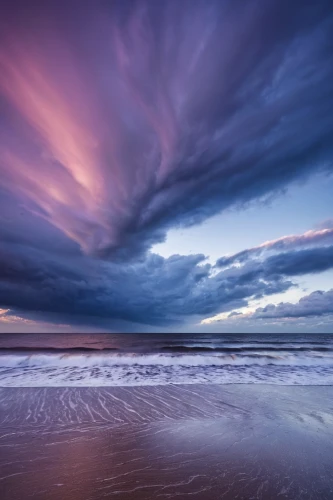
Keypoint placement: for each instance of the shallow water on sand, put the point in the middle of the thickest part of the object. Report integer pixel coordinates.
(207, 442)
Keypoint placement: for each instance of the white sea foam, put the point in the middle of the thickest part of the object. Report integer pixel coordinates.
(247, 358)
(111, 368)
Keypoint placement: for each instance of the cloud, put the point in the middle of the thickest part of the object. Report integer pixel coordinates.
(318, 303)
(120, 120)
(309, 239)
(151, 290)
(133, 117)
(234, 313)
(279, 266)
(300, 262)
(328, 223)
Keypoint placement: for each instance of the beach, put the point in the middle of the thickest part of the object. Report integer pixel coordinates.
(166, 250)
(145, 417)
(173, 441)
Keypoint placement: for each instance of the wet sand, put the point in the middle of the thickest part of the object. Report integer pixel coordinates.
(207, 442)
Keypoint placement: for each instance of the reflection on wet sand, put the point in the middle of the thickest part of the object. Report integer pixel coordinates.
(206, 442)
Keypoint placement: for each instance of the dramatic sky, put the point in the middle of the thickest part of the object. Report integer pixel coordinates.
(166, 165)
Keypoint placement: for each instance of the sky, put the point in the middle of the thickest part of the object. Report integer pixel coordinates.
(166, 166)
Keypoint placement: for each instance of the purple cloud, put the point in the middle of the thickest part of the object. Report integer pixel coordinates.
(151, 290)
(121, 120)
(310, 239)
(318, 303)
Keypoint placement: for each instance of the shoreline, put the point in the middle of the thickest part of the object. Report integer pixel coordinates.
(179, 441)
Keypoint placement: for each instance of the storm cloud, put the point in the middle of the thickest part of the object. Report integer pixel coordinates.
(151, 290)
(317, 303)
(123, 119)
(313, 238)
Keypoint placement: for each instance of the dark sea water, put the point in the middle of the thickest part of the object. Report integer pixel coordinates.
(46, 360)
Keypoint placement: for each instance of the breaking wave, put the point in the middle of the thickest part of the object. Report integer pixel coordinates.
(175, 364)
(246, 358)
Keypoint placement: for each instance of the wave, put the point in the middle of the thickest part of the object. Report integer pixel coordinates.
(112, 358)
(304, 364)
(233, 349)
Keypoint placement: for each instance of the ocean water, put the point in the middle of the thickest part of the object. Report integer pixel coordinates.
(80, 360)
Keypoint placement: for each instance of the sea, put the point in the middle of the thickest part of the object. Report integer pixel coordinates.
(84, 360)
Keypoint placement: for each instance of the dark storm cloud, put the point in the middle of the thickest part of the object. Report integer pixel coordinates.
(120, 120)
(323, 236)
(301, 262)
(153, 290)
(123, 119)
(279, 267)
(316, 304)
